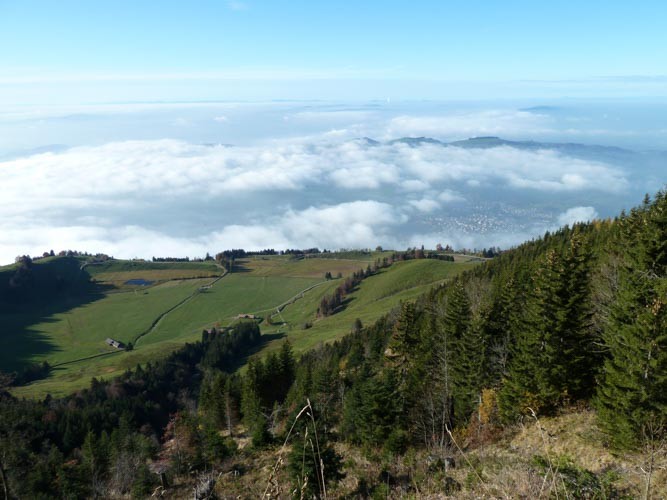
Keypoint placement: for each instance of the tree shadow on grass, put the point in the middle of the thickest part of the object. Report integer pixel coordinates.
(55, 287)
(265, 339)
(240, 267)
(345, 303)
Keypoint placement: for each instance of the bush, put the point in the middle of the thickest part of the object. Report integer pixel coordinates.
(575, 481)
(396, 442)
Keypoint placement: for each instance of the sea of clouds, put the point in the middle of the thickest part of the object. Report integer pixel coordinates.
(304, 177)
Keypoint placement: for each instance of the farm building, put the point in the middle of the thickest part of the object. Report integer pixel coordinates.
(115, 343)
(246, 316)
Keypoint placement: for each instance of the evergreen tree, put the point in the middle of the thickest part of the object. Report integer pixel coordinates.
(500, 322)
(467, 353)
(536, 370)
(372, 409)
(212, 401)
(251, 405)
(433, 411)
(468, 371)
(286, 371)
(632, 396)
(94, 454)
(231, 394)
(402, 348)
(580, 364)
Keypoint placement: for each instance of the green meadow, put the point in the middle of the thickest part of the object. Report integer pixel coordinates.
(81, 331)
(180, 299)
(218, 306)
(373, 298)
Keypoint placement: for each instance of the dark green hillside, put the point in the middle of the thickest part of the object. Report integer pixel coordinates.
(575, 318)
(43, 280)
(31, 292)
(541, 373)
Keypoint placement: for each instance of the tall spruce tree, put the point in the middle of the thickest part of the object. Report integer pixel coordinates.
(251, 405)
(467, 347)
(632, 396)
(579, 360)
(432, 411)
(286, 371)
(211, 399)
(402, 348)
(536, 368)
(500, 327)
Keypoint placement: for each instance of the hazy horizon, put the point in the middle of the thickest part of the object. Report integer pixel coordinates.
(139, 131)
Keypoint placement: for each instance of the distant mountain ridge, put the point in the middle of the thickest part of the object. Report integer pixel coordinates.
(484, 142)
(594, 152)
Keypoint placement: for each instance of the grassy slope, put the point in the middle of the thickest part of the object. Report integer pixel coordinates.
(261, 285)
(120, 266)
(313, 267)
(77, 328)
(73, 324)
(234, 294)
(118, 272)
(374, 297)
(81, 331)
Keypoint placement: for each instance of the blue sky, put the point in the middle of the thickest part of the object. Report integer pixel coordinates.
(128, 127)
(138, 50)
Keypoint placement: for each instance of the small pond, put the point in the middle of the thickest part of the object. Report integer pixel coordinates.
(139, 282)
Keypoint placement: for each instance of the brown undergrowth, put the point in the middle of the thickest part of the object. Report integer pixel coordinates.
(541, 457)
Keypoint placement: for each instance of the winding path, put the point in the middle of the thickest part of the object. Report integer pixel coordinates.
(162, 315)
(154, 325)
(187, 299)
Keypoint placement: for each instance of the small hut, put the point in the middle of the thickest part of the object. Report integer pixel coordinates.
(115, 343)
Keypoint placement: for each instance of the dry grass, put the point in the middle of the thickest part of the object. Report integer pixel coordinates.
(538, 459)
(574, 434)
(559, 457)
(542, 456)
(304, 268)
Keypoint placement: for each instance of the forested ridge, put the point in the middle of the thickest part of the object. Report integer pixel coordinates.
(573, 320)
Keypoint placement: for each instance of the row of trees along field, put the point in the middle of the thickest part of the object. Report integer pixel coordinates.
(574, 318)
(330, 304)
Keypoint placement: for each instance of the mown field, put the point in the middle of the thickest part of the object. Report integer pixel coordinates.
(185, 298)
(218, 306)
(374, 297)
(309, 267)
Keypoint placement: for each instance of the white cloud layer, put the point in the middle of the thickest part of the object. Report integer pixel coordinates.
(170, 197)
(449, 196)
(359, 224)
(133, 172)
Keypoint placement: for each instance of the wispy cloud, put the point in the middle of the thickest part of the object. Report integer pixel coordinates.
(577, 214)
(426, 205)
